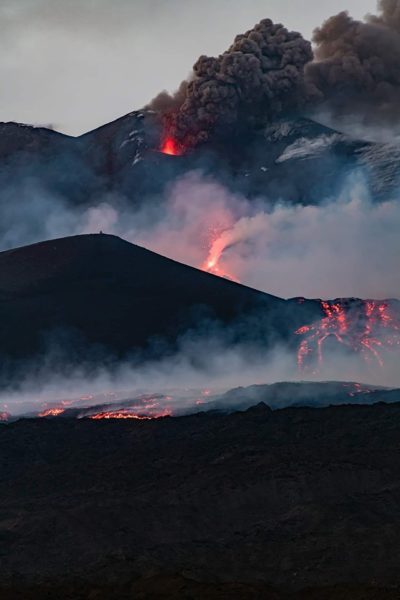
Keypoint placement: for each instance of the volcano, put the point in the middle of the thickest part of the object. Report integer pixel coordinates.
(98, 296)
(295, 159)
(108, 292)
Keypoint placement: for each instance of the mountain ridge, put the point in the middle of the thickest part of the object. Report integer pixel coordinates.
(280, 160)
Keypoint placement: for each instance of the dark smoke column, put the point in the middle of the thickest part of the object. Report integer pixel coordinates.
(261, 76)
(357, 64)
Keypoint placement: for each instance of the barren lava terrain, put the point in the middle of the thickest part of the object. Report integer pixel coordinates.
(295, 503)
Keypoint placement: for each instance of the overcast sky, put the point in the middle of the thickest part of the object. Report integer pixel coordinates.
(77, 64)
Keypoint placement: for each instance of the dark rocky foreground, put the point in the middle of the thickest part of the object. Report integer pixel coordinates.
(299, 503)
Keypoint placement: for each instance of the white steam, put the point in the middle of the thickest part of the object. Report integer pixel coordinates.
(344, 247)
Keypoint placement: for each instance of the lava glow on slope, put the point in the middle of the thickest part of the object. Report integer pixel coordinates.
(171, 147)
(367, 328)
(145, 407)
(211, 264)
(128, 414)
(52, 412)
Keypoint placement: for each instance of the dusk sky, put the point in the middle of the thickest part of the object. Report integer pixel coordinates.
(77, 64)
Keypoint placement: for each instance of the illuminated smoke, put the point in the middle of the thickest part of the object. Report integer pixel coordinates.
(212, 263)
(366, 329)
(244, 230)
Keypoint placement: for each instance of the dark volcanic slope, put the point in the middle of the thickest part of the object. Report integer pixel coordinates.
(298, 497)
(113, 293)
(297, 160)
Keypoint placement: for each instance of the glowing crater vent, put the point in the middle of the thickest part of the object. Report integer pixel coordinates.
(171, 147)
(366, 327)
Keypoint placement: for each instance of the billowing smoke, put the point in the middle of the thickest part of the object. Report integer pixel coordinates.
(356, 66)
(324, 251)
(259, 76)
(269, 72)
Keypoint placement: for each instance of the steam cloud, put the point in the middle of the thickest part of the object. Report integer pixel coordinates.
(324, 251)
(270, 71)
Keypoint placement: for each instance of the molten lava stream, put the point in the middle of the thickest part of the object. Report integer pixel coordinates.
(366, 329)
(52, 412)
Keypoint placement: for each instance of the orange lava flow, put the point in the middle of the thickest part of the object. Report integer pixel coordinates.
(366, 329)
(171, 147)
(52, 412)
(126, 414)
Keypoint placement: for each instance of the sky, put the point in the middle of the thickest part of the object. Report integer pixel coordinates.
(77, 64)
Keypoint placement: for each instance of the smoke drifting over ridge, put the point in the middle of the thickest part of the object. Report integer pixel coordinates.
(270, 71)
(346, 246)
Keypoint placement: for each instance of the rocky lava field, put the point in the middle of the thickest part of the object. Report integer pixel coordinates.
(294, 503)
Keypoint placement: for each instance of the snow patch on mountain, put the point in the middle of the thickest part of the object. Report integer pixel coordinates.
(304, 147)
(382, 162)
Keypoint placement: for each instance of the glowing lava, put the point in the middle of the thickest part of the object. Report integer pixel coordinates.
(128, 414)
(211, 265)
(365, 327)
(52, 412)
(171, 146)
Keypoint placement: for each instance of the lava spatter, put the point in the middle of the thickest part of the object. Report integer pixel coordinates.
(212, 263)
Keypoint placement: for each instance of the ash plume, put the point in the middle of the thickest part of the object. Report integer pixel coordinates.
(259, 76)
(356, 66)
(270, 72)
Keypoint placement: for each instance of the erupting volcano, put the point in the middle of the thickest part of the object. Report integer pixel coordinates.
(367, 328)
(211, 266)
(171, 147)
(212, 263)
